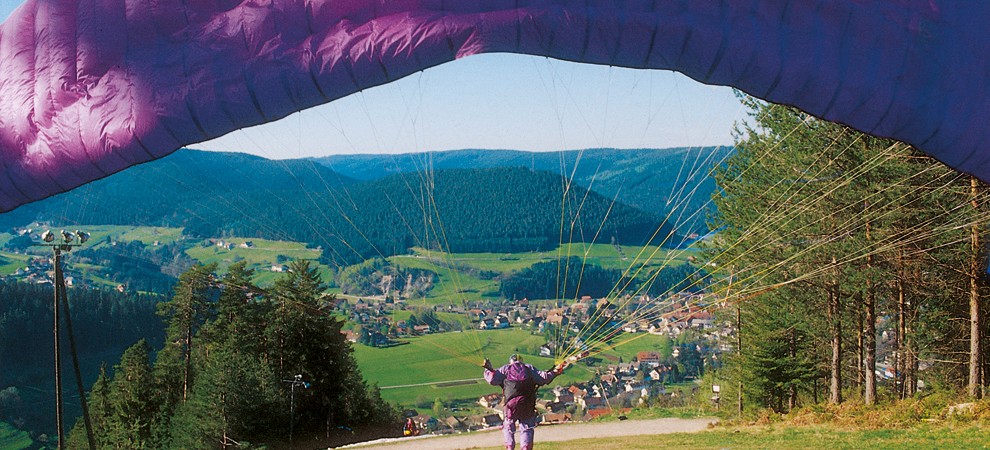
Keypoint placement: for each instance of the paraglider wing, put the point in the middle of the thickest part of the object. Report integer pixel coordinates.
(90, 87)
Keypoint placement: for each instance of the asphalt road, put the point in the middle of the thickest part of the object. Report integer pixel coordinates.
(544, 433)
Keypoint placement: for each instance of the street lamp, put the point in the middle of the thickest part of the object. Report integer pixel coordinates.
(61, 303)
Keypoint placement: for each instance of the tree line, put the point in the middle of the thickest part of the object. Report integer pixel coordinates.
(460, 210)
(104, 323)
(843, 255)
(573, 278)
(224, 376)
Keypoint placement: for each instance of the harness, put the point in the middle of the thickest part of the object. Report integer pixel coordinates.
(519, 390)
(522, 385)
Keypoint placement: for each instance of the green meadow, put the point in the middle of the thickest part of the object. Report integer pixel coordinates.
(609, 256)
(145, 235)
(452, 287)
(448, 365)
(459, 278)
(465, 322)
(12, 438)
(460, 275)
(10, 262)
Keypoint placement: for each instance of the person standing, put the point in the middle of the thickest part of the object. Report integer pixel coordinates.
(410, 428)
(519, 383)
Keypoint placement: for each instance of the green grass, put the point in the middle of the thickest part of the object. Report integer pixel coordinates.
(93, 273)
(452, 287)
(12, 438)
(604, 255)
(466, 324)
(10, 262)
(145, 235)
(260, 257)
(446, 357)
(805, 437)
(628, 345)
(456, 282)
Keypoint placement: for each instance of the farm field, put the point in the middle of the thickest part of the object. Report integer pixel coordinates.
(260, 256)
(10, 262)
(146, 235)
(12, 438)
(605, 255)
(261, 253)
(459, 279)
(99, 235)
(453, 285)
(461, 276)
(464, 321)
(448, 365)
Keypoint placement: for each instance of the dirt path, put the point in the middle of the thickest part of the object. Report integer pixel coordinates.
(545, 433)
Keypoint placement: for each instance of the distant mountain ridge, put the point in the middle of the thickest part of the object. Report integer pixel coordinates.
(217, 195)
(671, 181)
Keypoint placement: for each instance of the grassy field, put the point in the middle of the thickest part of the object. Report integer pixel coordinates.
(628, 345)
(260, 256)
(604, 255)
(93, 273)
(145, 235)
(792, 437)
(12, 438)
(10, 262)
(447, 365)
(453, 286)
(464, 321)
(456, 271)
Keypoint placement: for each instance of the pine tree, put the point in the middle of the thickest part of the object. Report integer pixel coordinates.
(185, 313)
(100, 412)
(232, 403)
(133, 401)
(307, 341)
(819, 212)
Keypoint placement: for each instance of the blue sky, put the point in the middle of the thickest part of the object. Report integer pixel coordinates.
(501, 101)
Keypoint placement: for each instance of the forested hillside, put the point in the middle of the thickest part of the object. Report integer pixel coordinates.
(857, 265)
(206, 191)
(673, 181)
(218, 195)
(221, 380)
(105, 322)
(496, 210)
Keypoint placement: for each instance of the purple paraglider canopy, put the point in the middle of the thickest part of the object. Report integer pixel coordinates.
(90, 87)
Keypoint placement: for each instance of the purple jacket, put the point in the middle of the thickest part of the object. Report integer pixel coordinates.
(519, 382)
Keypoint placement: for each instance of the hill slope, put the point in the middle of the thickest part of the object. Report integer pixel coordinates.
(658, 181)
(217, 195)
(186, 189)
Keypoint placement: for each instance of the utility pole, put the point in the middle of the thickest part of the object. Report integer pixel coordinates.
(57, 263)
(61, 302)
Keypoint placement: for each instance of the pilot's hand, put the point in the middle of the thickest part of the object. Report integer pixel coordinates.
(487, 364)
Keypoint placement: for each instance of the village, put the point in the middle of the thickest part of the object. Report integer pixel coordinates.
(622, 387)
(616, 386)
(668, 317)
